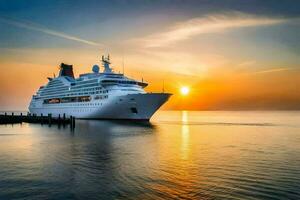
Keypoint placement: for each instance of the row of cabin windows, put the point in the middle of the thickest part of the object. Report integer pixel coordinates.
(71, 95)
(51, 84)
(100, 97)
(73, 99)
(85, 104)
(79, 93)
(73, 89)
(81, 81)
(55, 86)
(67, 100)
(55, 89)
(65, 88)
(119, 81)
(83, 93)
(85, 85)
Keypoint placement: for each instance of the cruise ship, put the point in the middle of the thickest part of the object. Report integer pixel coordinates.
(96, 95)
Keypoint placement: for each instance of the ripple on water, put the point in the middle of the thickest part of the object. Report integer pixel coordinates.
(207, 159)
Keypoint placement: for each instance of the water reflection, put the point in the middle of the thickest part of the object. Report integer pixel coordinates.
(185, 135)
(125, 160)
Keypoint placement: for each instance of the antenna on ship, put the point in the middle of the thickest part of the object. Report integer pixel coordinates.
(163, 89)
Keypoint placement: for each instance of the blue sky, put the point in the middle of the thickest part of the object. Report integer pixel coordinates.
(105, 20)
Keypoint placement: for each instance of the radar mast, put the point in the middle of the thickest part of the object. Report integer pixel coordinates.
(106, 62)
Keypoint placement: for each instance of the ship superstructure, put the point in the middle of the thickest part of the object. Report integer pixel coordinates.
(96, 95)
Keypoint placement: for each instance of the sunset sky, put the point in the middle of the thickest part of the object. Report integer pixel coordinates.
(233, 55)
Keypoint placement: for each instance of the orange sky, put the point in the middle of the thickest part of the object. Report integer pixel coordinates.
(230, 60)
(213, 88)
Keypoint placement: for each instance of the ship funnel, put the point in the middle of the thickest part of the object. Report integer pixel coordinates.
(66, 70)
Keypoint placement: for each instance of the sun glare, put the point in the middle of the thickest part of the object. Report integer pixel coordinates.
(184, 90)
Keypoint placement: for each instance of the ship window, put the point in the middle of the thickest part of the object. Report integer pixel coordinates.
(134, 110)
(67, 100)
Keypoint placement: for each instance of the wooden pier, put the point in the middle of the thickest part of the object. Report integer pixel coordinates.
(12, 118)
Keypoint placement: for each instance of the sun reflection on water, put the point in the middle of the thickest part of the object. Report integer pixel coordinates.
(185, 135)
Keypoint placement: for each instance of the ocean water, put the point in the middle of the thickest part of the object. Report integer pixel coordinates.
(178, 155)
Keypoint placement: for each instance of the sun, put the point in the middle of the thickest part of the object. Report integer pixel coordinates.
(184, 90)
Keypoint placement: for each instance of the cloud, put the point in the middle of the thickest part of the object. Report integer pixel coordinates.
(247, 63)
(208, 24)
(36, 27)
(273, 70)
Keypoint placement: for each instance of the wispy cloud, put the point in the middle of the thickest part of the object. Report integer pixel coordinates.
(272, 70)
(208, 24)
(247, 63)
(39, 28)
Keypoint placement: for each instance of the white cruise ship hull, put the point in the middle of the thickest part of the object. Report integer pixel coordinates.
(126, 107)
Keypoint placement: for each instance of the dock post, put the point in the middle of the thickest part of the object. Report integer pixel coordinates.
(21, 114)
(73, 123)
(12, 114)
(59, 120)
(49, 119)
(64, 119)
(42, 118)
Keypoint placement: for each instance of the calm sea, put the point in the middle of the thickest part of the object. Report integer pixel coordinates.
(178, 155)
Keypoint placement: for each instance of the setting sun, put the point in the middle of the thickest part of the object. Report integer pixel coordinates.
(184, 90)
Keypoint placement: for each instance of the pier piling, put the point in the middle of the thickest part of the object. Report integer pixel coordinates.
(35, 118)
(49, 119)
(73, 123)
